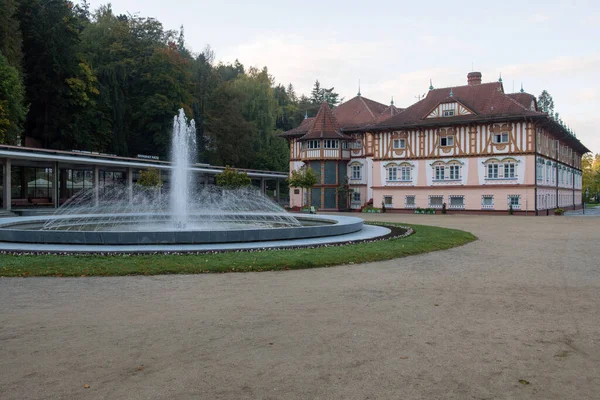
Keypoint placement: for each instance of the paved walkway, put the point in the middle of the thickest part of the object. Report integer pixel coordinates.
(521, 303)
(589, 212)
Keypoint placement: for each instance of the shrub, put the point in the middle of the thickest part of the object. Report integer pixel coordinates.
(233, 179)
(149, 178)
(444, 208)
(559, 211)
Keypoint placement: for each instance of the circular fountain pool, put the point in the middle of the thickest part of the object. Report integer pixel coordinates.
(141, 229)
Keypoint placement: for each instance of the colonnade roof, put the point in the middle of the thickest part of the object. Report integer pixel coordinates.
(112, 161)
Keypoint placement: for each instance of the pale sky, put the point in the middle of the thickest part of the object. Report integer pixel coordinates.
(395, 47)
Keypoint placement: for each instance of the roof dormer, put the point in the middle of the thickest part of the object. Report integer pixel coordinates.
(449, 108)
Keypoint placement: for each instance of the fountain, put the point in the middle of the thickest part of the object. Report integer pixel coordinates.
(183, 218)
(182, 152)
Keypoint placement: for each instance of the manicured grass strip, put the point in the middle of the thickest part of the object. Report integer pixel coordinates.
(425, 239)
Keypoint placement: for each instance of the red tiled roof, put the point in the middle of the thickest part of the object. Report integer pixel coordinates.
(302, 129)
(524, 99)
(355, 113)
(487, 100)
(325, 126)
(389, 112)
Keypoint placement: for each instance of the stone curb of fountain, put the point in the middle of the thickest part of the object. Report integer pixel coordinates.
(396, 232)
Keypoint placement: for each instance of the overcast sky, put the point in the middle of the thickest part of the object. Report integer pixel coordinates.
(395, 47)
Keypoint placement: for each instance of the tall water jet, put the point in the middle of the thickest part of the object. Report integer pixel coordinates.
(183, 153)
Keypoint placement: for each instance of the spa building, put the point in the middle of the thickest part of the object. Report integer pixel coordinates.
(474, 148)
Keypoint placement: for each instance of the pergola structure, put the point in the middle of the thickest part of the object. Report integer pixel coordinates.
(34, 177)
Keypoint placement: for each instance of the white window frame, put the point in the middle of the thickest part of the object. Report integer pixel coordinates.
(494, 168)
(391, 198)
(439, 173)
(510, 198)
(414, 201)
(356, 196)
(331, 144)
(314, 144)
(502, 137)
(345, 145)
(454, 171)
(399, 144)
(392, 173)
(510, 167)
(487, 206)
(448, 113)
(357, 144)
(431, 197)
(456, 206)
(356, 172)
(449, 141)
(540, 172)
(405, 173)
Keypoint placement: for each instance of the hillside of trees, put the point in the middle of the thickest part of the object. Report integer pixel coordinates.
(76, 79)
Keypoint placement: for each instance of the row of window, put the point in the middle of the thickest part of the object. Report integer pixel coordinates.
(505, 170)
(448, 141)
(454, 201)
(327, 144)
(565, 177)
(440, 172)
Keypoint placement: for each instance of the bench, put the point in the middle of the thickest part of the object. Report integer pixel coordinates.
(32, 201)
(19, 202)
(41, 201)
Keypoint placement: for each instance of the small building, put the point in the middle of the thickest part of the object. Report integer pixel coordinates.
(474, 148)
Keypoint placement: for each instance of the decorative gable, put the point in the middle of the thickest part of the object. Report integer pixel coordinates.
(449, 109)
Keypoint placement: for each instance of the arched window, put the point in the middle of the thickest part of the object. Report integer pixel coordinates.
(510, 169)
(399, 172)
(492, 170)
(392, 173)
(454, 168)
(405, 171)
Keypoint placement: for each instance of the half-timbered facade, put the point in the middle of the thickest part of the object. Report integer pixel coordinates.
(473, 148)
(338, 159)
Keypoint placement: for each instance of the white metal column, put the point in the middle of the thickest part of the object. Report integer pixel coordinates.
(130, 184)
(6, 183)
(55, 184)
(96, 184)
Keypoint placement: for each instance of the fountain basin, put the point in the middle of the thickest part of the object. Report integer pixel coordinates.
(238, 228)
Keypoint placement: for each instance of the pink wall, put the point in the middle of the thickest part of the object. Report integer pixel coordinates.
(472, 196)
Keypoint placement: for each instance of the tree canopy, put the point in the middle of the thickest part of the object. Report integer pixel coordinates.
(591, 177)
(78, 79)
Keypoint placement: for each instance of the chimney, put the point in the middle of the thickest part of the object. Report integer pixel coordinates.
(474, 78)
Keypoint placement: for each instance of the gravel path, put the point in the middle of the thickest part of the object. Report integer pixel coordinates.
(521, 303)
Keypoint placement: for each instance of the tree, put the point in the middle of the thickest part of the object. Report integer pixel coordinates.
(545, 103)
(149, 178)
(259, 106)
(320, 94)
(233, 179)
(303, 178)
(228, 134)
(229, 72)
(50, 44)
(205, 81)
(12, 110)
(590, 166)
(11, 38)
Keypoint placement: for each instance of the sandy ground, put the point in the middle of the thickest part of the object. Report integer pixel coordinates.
(521, 303)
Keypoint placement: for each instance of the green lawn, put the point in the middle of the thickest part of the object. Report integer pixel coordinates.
(425, 239)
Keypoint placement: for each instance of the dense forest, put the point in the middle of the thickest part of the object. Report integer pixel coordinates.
(76, 79)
